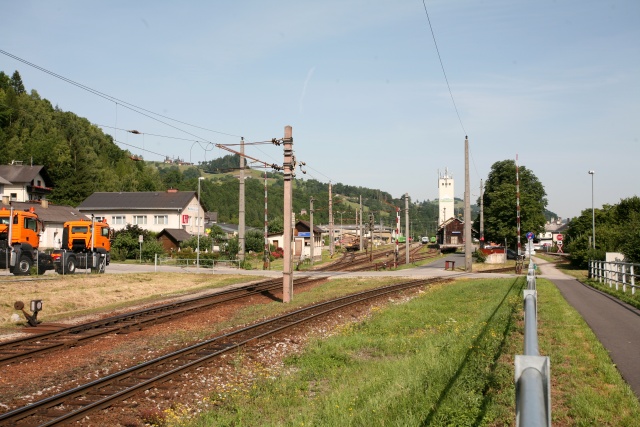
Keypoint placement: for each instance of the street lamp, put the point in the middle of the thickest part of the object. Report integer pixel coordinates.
(199, 223)
(593, 213)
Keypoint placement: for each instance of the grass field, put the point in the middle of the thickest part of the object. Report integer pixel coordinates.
(442, 359)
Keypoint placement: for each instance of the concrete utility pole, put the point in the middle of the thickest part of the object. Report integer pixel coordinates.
(266, 260)
(468, 239)
(406, 226)
(287, 273)
(331, 235)
(241, 208)
(481, 214)
(313, 237)
(361, 236)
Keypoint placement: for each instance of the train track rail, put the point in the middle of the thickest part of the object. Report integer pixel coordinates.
(78, 402)
(42, 343)
(352, 261)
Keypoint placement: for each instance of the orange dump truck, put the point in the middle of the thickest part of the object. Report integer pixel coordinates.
(85, 244)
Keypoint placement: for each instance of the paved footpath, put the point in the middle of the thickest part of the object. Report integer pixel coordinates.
(616, 324)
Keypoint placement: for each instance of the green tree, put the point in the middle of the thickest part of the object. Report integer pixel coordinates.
(254, 241)
(16, 83)
(500, 211)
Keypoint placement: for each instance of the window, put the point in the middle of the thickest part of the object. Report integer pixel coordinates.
(98, 218)
(139, 219)
(83, 229)
(161, 219)
(14, 196)
(117, 220)
(30, 224)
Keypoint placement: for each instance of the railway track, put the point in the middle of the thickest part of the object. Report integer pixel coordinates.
(78, 402)
(39, 344)
(352, 261)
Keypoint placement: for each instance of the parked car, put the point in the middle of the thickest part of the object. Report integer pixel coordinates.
(511, 254)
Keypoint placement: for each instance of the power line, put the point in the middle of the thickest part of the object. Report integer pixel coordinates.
(137, 109)
(442, 66)
(115, 100)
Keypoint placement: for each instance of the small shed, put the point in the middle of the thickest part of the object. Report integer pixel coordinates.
(304, 237)
(172, 237)
(451, 233)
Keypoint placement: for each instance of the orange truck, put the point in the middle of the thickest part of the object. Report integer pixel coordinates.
(85, 244)
(19, 242)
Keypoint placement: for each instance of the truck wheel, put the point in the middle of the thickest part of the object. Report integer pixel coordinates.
(70, 267)
(24, 266)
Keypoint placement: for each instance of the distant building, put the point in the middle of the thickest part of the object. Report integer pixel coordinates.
(446, 199)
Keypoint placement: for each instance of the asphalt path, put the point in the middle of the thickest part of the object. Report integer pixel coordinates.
(616, 324)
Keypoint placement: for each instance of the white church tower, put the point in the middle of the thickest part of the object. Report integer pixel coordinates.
(445, 197)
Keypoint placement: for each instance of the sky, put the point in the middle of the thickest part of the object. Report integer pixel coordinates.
(372, 99)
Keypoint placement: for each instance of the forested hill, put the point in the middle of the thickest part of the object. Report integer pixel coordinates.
(80, 159)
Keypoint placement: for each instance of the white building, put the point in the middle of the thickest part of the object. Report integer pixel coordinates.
(446, 199)
(20, 183)
(150, 210)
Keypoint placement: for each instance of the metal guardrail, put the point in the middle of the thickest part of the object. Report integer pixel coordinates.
(620, 274)
(532, 371)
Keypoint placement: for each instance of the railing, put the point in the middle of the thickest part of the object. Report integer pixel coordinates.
(532, 371)
(620, 274)
(204, 263)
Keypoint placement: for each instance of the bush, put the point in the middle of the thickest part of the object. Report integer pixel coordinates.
(479, 256)
(150, 249)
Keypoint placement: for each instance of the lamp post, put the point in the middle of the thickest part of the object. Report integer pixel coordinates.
(199, 223)
(593, 213)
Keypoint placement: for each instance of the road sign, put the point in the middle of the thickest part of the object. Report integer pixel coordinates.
(530, 235)
(559, 243)
(559, 237)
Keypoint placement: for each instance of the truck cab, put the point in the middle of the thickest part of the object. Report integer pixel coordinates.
(20, 240)
(85, 244)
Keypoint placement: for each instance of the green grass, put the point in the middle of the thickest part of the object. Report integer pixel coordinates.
(431, 361)
(444, 358)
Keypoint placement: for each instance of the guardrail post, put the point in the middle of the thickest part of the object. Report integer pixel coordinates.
(633, 281)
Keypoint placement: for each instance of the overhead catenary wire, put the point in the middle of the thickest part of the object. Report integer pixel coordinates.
(442, 66)
(433, 35)
(117, 101)
(140, 110)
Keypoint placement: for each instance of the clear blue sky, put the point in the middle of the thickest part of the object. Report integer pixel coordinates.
(360, 82)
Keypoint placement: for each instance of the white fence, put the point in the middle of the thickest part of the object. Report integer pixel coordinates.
(618, 274)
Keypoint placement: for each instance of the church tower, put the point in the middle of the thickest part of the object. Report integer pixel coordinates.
(445, 197)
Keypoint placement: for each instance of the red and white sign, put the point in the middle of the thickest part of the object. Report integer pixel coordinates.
(559, 237)
(185, 219)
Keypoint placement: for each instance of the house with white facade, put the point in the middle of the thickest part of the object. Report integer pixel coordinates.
(150, 210)
(20, 183)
